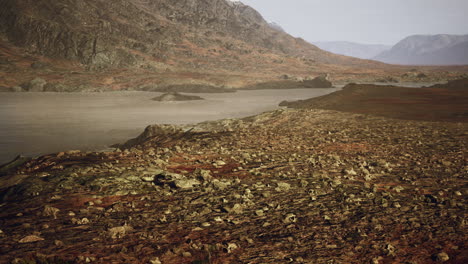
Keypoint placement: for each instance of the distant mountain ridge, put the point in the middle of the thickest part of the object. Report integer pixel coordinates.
(440, 49)
(357, 50)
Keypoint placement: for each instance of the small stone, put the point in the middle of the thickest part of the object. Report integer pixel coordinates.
(120, 231)
(147, 178)
(155, 261)
(237, 209)
(290, 218)
(259, 212)
(283, 186)
(221, 185)
(220, 163)
(204, 175)
(31, 239)
(441, 257)
(229, 247)
(83, 221)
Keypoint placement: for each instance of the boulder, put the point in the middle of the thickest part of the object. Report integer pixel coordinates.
(35, 85)
(317, 82)
(174, 96)
(153, 131)
(55, 87)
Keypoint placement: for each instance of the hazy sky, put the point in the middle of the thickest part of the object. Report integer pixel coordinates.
(365, 21)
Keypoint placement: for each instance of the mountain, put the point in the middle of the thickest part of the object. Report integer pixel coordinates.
(428, 50)
(358, 50)
(219, 42)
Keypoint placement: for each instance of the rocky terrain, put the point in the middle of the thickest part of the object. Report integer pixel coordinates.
(305, 185)
(288, 186)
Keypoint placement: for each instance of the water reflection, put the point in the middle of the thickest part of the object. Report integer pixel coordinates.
(39, 123)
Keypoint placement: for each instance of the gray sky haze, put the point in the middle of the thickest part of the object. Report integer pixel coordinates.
(365, 21)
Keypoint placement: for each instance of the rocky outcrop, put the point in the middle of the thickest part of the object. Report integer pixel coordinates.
(151, 133)
(174, 97)
(187, 88)
(35, 85)
(317, 82)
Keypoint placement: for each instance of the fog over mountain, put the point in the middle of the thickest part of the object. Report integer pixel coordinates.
(440, 49)
(358, 50)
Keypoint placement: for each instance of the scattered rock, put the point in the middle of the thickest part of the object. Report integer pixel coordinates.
(290, 218)
(31, 239)
(283, 187)
(120, 231)
(176, 181)
(50, 211)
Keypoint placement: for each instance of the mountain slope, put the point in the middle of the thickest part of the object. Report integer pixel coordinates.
(428, 50)
(115, 32)
(143, 44)
(358, 50)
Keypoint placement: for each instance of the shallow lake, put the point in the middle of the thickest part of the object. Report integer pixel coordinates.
(33, 124)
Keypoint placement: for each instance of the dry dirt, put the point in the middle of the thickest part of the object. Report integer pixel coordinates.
(447, 102)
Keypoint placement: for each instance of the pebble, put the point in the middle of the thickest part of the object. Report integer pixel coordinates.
(441, 257)
(31, 239)
(155, 261)
(260, 212)
(283, 187)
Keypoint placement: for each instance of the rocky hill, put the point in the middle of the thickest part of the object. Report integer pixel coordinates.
(105, 33)
(161, 36)
(428, 50)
